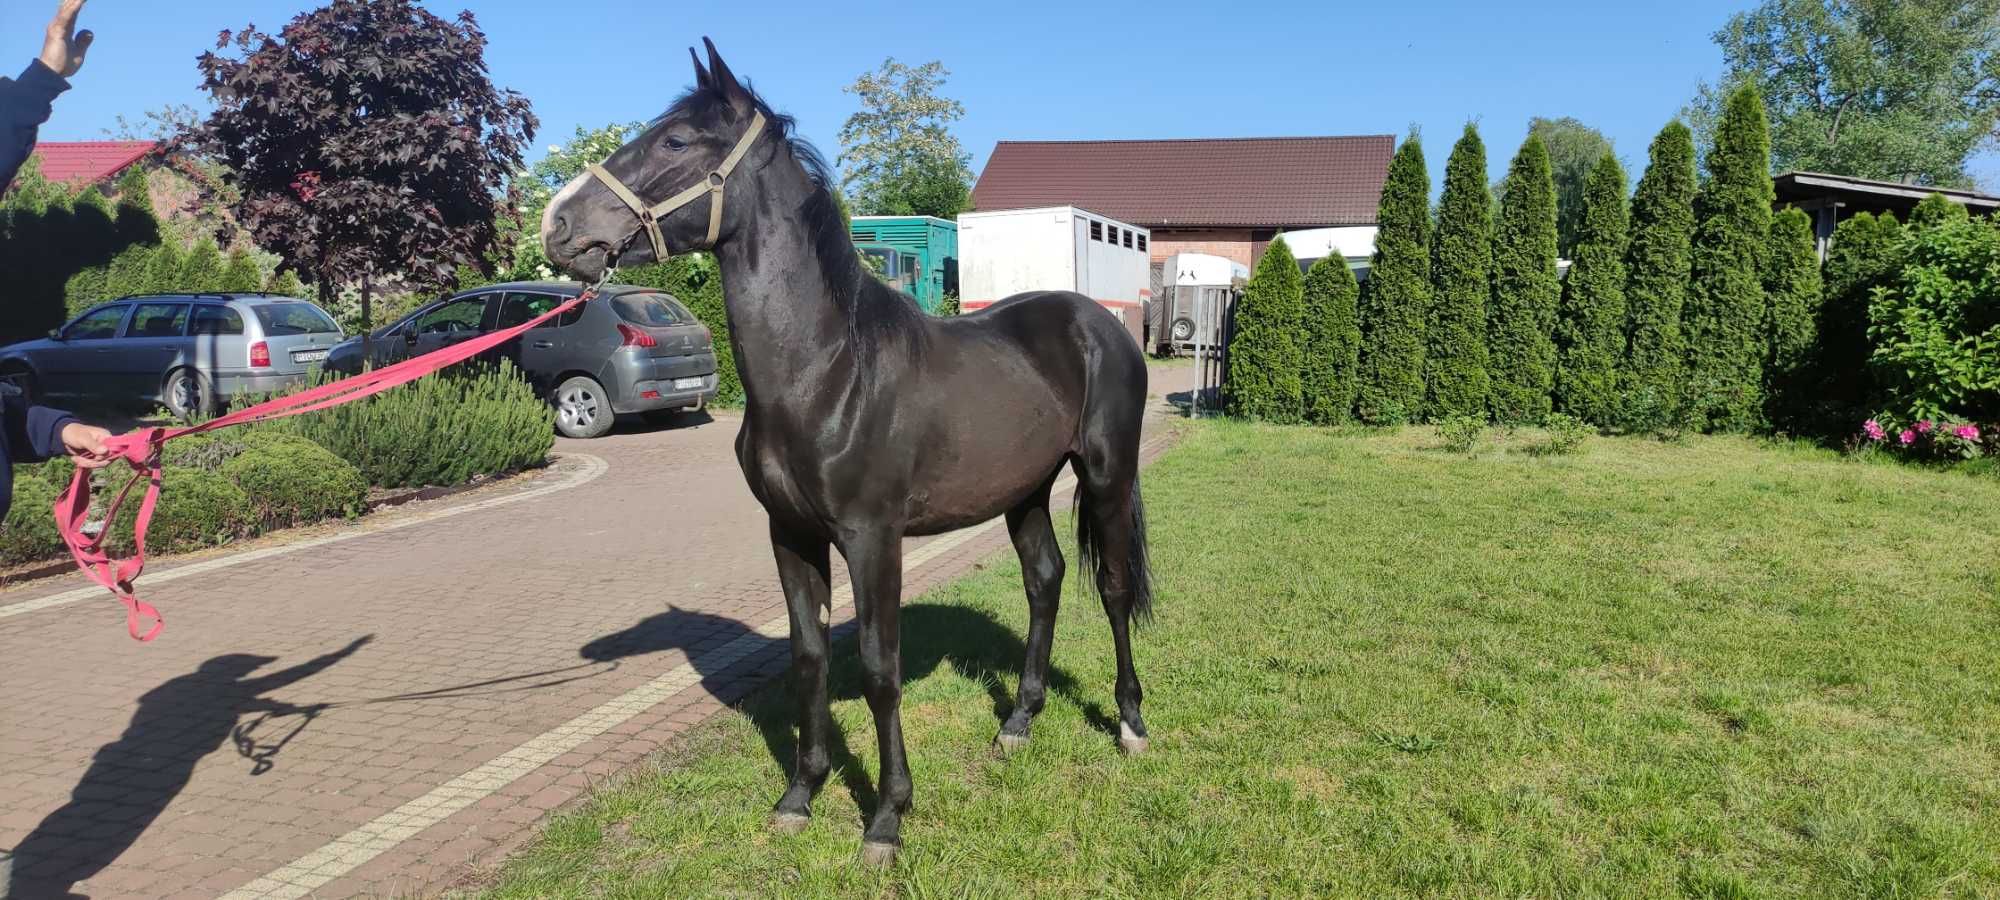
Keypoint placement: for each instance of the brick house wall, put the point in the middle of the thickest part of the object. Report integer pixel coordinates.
(1229, 243)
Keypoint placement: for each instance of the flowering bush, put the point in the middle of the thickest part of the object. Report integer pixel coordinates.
(1926, 439)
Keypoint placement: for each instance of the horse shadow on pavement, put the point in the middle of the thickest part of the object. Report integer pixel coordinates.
(975, 644)
(132, 779)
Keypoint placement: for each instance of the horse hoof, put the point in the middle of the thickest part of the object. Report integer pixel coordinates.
(1129, 741)
(1009, 744)
(789, 823)
(878, 854)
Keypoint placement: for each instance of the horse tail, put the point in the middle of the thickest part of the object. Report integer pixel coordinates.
(1090, 548)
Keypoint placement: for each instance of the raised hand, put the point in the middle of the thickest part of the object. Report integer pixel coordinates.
(63, 47)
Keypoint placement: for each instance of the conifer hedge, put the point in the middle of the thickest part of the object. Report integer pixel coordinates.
(1264, 355)
(1793, 288)
(1396, 299)
(1461, 278)
(1590, 333)
(1724, 318)
(1332, 342)
(1521, 318)
(1656, 276)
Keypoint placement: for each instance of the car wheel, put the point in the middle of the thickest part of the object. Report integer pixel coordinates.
(582, 409)
(1183, 330)
(188, 394)
(22, 380)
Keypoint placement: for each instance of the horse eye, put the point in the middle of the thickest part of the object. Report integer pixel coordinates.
(676, 144)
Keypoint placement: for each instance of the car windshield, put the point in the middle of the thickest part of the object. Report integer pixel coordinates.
(647, 309)
(294, 318)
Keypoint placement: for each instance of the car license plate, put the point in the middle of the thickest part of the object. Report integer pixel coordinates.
(687, 384)
(306, 356)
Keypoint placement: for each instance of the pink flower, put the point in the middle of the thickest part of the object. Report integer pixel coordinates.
(1924, 426)
(1968, 432)
(1873, 429)
(1908, 437)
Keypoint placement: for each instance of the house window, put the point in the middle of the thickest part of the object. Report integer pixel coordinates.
(1096, 231)
(1142, 242)
(1128, 238)
(1114, 234)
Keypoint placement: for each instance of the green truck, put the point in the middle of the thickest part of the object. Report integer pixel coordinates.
(917, 254)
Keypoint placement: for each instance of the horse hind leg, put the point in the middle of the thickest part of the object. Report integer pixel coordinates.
(1111, 536)
(1034, 537)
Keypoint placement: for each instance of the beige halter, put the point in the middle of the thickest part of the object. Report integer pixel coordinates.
(711, 186)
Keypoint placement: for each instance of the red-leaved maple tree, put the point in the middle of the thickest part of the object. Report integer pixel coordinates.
(365, 140)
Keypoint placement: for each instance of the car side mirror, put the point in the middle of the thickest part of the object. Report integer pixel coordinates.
(55, 334)
(410, 336)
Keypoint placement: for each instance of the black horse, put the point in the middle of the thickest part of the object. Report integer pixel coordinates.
(867, 420)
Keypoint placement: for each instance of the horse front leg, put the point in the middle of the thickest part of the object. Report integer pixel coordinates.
(875, 563)
(803, 570)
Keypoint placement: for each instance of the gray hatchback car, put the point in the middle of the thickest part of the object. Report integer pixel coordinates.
(631, 350)
(188, 352)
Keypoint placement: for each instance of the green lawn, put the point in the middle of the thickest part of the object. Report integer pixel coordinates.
(1716, 669)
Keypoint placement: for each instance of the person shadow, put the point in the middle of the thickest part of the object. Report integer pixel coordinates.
(975, 644)
(133, 779)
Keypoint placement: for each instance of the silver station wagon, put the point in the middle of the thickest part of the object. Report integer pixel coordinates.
(188, 352)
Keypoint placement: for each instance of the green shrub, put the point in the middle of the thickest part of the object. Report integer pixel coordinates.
(292, 481)
(1264, 355)
(441, 430)
(1793, 290)
(1461, 277)
(1936, 326)
(1656, 274)
(1866, 253)
(1461, 433)
(1521, 320)
(196, 509)
(1724, 319)
(947, 306)
(1565, 435)
(29, 534)
(1590, 332)
(1396, 299)
(1332, 341)
(240, 274)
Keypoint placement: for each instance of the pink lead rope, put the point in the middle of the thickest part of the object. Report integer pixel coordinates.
(141, 449)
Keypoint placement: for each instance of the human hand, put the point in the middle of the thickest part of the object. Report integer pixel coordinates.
(63, 46)
(85, 444)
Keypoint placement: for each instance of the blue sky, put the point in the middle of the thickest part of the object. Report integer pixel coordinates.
(1025, 70)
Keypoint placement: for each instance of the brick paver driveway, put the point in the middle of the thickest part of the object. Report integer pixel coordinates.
(370, 709)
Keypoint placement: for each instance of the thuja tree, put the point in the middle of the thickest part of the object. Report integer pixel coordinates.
(1264, 354)
(1792, 288)
(1461, 277)
(1656, 275)
(1725, 313)
(1332, 341)
(1590, 331)
(365, 140)
(1396, 300)
(1865, 254)
(1521, 319)
(240, 274)
(1935, 210)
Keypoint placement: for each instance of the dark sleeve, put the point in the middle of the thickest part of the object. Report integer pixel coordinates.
(24, 105)
(34, 433)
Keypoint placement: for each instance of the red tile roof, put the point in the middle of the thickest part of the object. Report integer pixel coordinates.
(1293, 182)
(89, 161)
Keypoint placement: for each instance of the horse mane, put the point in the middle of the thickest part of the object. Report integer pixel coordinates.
(875, 312)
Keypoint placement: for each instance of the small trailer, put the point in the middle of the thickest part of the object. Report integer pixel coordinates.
(1195, 292)
(917, 254)
(1056, 248)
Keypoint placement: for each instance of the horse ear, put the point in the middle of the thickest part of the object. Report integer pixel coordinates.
(725, 80)
(702, 80)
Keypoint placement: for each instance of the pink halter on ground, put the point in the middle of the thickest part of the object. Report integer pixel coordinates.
(141, 449)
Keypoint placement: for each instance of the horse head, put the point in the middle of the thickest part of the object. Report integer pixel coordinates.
(663, 192)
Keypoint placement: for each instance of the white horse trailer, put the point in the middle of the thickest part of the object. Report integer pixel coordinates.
(1056, 248)
(1195, 293)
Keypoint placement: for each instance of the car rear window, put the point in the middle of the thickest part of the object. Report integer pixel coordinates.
(294, 318)
(650, 309)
